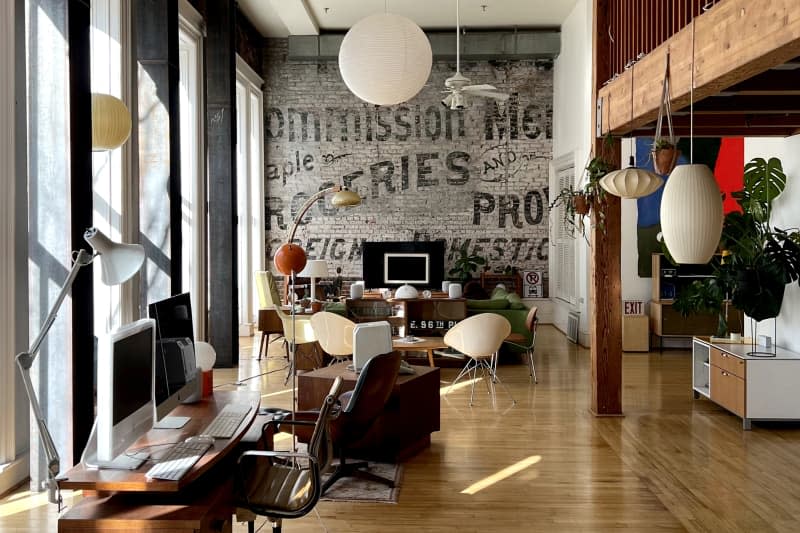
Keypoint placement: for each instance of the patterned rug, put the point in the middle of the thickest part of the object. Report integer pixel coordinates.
(353, 489)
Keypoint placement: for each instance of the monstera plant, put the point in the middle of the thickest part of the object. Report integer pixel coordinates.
(758, 260)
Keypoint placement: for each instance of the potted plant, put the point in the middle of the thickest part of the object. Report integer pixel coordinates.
(573, 202)
(664, 154)
(758, 259)
(465, 264)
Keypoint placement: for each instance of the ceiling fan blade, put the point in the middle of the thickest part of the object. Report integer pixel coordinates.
(490, 94)
(479, 88)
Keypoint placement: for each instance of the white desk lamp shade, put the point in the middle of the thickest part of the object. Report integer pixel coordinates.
(385, 59)
(691, 214)
(317, 268)
(119, 262)
(111, 122)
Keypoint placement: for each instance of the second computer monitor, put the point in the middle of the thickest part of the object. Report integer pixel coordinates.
(176, 378)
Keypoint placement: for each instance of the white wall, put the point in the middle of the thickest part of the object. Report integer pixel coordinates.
(633, 287)
(572, 100)
(785, 214)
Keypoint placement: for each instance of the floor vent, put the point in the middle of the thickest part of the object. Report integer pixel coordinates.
(573, 320)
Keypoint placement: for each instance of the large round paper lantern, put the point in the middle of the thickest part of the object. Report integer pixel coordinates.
(691, 214)
(385, 59)
(111, 122)
(631, 182)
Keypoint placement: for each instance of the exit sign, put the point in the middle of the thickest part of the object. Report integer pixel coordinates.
(633, 307)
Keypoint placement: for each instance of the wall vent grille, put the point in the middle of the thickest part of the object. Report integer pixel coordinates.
(573, 320)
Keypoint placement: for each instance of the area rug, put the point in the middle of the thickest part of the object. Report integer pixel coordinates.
(353, 489)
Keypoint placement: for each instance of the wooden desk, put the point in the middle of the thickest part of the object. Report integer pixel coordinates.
(426, 344)
(410, 416)
(128, 501)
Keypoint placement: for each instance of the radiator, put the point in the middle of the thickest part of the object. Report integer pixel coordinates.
(573, 320)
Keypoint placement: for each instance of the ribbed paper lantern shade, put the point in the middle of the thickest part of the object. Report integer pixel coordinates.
(631, 182)
(385, 59)
(111, 122)
(691, 214)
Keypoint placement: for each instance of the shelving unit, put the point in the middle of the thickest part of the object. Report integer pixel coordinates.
(416, 316)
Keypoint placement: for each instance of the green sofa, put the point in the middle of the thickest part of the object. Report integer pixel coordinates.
(506, 304)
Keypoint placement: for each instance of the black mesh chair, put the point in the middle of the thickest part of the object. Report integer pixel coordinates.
(279, 484)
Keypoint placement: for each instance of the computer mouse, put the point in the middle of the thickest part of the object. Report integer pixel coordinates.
(201, 439)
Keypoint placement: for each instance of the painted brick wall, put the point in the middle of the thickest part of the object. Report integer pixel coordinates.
(424, 172)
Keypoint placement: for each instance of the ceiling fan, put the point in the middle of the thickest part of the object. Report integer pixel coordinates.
(458, 85)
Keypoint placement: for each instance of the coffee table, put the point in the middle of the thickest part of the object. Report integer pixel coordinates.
(425, 344)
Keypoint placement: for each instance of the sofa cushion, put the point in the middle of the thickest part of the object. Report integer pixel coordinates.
(514, 301)
(501, 303)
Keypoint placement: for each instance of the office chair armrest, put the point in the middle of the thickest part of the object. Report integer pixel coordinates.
(277, 454)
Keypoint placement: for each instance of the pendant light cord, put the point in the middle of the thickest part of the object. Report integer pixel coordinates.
(386, 6)
(458, 38)
(691, 106)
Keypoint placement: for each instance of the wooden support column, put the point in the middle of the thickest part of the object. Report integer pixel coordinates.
(221, 128)
(605, 285)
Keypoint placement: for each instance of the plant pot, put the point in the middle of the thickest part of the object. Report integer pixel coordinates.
(664, 159)
(758, 294)
(581, 204)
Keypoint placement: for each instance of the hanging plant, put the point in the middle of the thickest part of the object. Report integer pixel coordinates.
(664, 152)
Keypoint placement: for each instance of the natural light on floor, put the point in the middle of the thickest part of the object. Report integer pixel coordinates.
(444, 390)
(276, 393)
(25, 501)
(502, 474)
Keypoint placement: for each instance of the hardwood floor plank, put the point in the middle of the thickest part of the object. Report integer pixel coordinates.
(670, 464)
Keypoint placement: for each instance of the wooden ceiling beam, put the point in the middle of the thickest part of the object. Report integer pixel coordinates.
(771, 82)
(747, 105)
(731, 43)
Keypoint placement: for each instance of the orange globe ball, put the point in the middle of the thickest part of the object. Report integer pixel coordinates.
(290, 258)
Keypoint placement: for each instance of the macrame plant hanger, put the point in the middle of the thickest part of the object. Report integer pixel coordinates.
(665, 152)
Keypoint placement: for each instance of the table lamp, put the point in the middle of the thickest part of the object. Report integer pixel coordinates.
(119, 263)
(317, 268)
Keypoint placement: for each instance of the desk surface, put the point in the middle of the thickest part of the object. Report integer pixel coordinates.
(158, 440)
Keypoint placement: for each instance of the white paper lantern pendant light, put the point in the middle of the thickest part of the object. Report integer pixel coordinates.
(691, 207)
(385, 59)
(631, 182)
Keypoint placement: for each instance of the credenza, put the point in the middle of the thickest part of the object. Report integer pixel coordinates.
(751, 387)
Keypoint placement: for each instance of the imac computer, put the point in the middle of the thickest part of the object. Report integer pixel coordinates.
(125, 362)
(177, 378)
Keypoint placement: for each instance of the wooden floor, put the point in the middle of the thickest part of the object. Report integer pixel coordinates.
(672, 463)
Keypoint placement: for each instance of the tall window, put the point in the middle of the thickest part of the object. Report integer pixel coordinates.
(193, 186)
(564, 268)
(250, 189)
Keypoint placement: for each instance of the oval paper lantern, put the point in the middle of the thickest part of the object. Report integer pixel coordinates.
(111, 122)
(385, 59)
(631, 182)
(691, 214)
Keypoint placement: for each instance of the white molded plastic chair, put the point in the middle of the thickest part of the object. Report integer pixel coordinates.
(300, 332)
(479, 337)
(335, 334)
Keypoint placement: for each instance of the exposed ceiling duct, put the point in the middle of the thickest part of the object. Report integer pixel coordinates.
(475, 46)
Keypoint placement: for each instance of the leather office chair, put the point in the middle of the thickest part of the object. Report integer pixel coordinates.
(520, 341)
(300, 332)
(335, 334)
(479, 337)
(279, 484)
(361, 407)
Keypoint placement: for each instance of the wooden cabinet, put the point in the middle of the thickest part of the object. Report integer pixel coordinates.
(415, 316)
(754, 388)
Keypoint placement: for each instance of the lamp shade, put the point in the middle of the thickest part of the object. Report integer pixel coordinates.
(317, 268)
(111, 122)
(119, 262)
(345, 198)
(385, 59)
(691, 214)
(631, 182)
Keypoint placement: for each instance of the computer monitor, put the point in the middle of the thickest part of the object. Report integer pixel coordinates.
(177, 378)
(125, 363)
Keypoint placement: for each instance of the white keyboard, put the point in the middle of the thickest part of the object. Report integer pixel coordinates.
(178, 460)
(227, 420)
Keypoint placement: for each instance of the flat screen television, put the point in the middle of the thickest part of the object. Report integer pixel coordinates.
(394, 263)
(125, 362)
(176, 377)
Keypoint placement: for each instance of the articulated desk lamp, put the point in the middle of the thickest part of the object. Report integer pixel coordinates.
(119, 263)
(290, 259)
(111, 126)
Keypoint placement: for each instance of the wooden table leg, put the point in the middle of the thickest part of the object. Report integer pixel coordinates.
(430, 356)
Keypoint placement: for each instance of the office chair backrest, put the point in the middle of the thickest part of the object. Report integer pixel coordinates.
(372, 390)
(333, 332)
(479, 335)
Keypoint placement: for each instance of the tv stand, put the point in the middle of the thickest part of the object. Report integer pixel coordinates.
(423, 317)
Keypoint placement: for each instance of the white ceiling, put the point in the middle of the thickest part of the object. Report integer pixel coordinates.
(273, 18)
